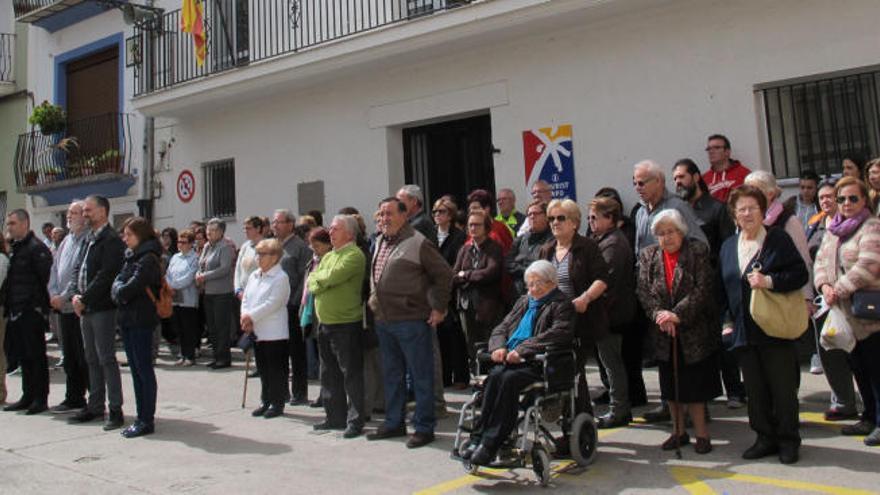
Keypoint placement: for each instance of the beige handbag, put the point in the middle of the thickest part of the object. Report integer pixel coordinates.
(782, 315)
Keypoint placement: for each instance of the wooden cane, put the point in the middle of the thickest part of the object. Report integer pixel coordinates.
(247, 369)
(675, 386)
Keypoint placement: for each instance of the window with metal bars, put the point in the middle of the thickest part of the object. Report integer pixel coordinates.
(814, 123)
(219, 188)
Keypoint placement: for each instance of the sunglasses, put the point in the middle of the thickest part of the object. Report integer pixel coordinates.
(557, 218)
(264, 253)
(438, 212)
(641, 183)
(852, 199)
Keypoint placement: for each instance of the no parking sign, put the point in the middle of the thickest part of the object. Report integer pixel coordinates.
(186, 186)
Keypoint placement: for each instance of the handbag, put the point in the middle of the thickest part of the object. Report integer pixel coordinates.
(782, 315)
(866, 304)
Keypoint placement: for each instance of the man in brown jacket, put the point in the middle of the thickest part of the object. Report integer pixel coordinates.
(409, 292)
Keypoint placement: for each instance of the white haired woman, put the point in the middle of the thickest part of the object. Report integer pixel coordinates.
(778, 216)
(264, 313)
(675, 288)
(543, 318)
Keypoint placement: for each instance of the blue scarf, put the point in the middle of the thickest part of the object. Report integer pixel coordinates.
(526, 325)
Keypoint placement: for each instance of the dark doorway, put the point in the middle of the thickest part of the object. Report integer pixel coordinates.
(453, 157)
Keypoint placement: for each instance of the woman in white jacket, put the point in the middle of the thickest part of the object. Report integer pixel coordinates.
(264, 313)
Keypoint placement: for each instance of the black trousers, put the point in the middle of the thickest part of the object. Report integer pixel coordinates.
(28, 334)
(453, 351)
(342, 373)
(186, 326)
(632, 353)
(299, 385)
(272, 362)
(730, 376)
(75, 366)
(501, 401)
(771, 376)
(219, 311)
(865, 361)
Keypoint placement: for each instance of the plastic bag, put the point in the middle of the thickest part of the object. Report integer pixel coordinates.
(837, 332)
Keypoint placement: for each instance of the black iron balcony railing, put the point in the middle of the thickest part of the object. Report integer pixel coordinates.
(7, 50)
(25, 7)
(243, 31)
(89, 149)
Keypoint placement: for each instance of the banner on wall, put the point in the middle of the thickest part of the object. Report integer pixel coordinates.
(548, 155)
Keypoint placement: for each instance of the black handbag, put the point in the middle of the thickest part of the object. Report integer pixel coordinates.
(866, 304)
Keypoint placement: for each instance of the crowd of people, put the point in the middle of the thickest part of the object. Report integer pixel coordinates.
(400, 314)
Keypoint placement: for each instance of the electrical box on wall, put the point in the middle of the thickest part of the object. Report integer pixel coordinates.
(310, 196)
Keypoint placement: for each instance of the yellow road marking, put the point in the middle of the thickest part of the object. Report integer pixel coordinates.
(690, 479)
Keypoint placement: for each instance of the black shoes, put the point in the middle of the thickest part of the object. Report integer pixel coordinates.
(761, 449)
(612, 421)
(788, 454)
(419, 439)
(84, 416)
(873, 439)
(326, 425)
(861, 428)
(273, 412)
(658, 414)
(352, 431)
(37, 408)
(317, 403)
(21, 405)
(115, 420)
(260, 410)
(483, 456)
(66, 407)
(299, 401)
(383, 433)
(138, 429)
(674, 442)
(219, 366)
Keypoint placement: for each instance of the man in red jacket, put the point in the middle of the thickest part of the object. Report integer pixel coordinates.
(725, 173)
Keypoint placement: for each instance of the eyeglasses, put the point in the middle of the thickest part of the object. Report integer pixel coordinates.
(264, 253)
(641, 183)
(557, 218)
(535, 283)
(534, 214)
(474, 225)
(440, 211)
(502, 199)
(593, 218)
(716, 147)
(852, 199)
(537, 192)
(665, 233)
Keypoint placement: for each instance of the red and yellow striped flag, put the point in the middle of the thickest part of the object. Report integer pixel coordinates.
(192, 20)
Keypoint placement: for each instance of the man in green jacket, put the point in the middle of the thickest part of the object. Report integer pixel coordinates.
(336, 284)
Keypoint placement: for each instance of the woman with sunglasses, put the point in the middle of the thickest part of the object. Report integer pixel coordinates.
(453, 348)
(848, 261)
(759, 257)
(477, 280)
(583, 277)
(181, 277)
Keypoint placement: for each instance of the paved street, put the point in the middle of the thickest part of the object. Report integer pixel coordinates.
(205, 443)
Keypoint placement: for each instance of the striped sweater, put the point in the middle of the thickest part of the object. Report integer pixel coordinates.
(860, 259)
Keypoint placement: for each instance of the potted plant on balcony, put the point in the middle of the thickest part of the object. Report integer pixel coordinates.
(51, 118)
(30, 177)
(53, 174)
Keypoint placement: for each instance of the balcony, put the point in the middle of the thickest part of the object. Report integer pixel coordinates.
(242, 32)
(95, 150)
(53, 15)
(7, 63)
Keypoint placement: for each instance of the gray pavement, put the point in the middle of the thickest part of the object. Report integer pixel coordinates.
(206, 443)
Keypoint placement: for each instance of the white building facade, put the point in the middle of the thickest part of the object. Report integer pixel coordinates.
(302, 108)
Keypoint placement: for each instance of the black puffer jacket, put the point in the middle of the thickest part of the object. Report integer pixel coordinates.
(28, 276)
(141, 270)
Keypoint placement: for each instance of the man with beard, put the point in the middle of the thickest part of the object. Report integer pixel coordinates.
(718, 226)
(63, 271)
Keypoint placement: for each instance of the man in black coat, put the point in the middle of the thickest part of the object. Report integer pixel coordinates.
(27, 310)
(90, 294)
(526, 247)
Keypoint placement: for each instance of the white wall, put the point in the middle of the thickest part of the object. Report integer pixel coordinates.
(648, 84)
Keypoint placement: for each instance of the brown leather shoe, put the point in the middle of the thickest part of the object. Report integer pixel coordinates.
(673, 442)
(703, 445)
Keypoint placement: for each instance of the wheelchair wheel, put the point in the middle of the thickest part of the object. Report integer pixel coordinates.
(541, 465)
(583, 440)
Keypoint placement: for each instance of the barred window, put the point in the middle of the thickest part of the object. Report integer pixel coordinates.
(219, 188)
(814, 123)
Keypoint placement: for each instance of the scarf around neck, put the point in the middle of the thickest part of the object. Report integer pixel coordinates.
(844, 228)
(527, 324)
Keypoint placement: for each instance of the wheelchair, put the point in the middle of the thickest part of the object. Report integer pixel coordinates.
(544, 406)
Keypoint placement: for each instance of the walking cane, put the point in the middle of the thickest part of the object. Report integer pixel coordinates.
(675, 392)
(247, 369)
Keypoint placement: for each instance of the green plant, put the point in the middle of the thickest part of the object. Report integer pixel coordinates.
(51, 118)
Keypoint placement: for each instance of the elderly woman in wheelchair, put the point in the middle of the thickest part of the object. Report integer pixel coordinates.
(531, 352)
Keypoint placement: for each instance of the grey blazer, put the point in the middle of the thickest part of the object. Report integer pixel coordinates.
(217, 263)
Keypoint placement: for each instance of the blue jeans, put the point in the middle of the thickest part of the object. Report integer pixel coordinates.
(407, 345)
(138, 344)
